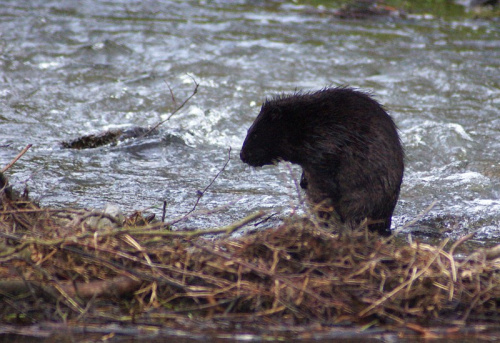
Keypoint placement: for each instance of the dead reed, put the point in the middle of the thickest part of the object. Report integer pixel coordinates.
(55, 266)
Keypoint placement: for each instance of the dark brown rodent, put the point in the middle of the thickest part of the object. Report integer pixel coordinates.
(346, 144)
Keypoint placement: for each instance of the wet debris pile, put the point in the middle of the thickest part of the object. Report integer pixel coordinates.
(56, 266)
(109, 137)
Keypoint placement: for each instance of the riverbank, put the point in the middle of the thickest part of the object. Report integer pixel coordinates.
(82, 269)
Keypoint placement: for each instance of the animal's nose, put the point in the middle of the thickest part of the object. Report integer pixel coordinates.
(243, 155)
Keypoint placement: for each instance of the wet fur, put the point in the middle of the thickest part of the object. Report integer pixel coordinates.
(346, 144)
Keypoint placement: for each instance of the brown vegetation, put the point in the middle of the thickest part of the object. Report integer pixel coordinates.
(54, 266)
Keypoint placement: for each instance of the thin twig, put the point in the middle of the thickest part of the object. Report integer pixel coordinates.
(460, 241)
(35, 210)
(199, 213)
(17, 157)
(420, 215)
(172, 94)
(164, 211)
(452, 258)
(202, 193)
(176, 110)
(190, 234)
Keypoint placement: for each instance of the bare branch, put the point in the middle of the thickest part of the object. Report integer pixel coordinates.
(195, 90)
(17, 157)
(202, 193)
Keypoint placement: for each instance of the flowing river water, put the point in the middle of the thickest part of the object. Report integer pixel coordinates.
(71, 68)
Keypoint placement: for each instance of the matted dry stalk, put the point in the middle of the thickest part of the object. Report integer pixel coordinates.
(54, 266)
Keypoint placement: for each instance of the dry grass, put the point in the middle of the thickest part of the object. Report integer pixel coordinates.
(56, 267)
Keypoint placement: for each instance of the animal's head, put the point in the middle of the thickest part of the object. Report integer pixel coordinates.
(269, 139)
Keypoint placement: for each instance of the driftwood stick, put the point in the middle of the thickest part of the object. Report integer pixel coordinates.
(145, 231)
(190, 234)
(195, 90)
(26, 148)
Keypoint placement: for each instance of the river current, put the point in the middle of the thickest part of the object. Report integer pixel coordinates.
(72, 68)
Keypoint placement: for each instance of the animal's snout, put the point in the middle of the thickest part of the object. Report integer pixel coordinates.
(243, 156)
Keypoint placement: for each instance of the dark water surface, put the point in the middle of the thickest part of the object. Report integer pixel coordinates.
(70, 68)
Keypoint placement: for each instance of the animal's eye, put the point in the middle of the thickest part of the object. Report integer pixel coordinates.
(255, 135)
